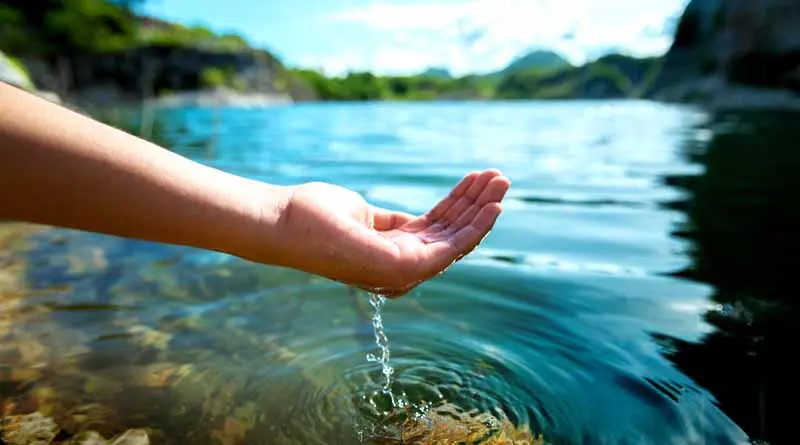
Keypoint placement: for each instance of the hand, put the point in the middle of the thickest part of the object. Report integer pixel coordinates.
(332, 231)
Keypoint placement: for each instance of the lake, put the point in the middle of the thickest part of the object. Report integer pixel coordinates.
(638, 288)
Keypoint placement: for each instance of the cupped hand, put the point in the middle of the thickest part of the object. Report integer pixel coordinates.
(332, 231)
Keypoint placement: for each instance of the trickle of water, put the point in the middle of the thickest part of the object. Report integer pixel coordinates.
(382, 341)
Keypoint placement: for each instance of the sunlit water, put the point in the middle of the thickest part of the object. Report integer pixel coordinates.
(566, 320)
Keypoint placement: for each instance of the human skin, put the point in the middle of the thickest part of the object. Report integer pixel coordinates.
(63, 169)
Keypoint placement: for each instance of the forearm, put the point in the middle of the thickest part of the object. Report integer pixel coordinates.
(62, 169)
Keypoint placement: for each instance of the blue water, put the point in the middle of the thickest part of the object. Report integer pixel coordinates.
(561, 320)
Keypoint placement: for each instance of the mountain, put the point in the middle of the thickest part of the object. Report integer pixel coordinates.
(441, 73)
(537, 59)
(611, 76)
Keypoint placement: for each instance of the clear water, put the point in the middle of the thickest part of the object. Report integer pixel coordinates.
(628, 293)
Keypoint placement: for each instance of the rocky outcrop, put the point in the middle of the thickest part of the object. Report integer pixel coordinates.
(15, 73)
(145, 72)
(736, 53)
(12, 73)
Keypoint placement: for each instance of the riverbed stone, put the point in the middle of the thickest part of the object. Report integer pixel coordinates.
(28, 429)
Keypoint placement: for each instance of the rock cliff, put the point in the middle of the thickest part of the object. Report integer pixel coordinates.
(147, 71)
(736, 52)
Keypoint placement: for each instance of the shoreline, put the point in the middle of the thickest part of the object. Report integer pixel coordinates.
(217, 98)
(711, 93)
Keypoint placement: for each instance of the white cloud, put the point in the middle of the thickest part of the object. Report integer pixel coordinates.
(484, 35)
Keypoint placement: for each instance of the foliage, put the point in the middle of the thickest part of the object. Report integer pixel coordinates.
(91, 25)
(22, 75)
(50, 27)
(12, 27)
(218, 77)
(66, 27)
(523, 83)
(180, 35)
(615, 75)
(213, 77)
(368, 86)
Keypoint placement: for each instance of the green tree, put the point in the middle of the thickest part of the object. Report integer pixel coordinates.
(64, 27)
(91, 25)
(214, 77)
(13, 29)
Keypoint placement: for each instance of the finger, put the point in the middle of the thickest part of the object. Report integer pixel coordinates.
(469, 197)
(439, 209)
(390, 293)
(495, 191)
(467, 238)
(438, 230)
(383, 219)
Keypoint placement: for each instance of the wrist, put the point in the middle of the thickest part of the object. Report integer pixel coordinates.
(259, 236)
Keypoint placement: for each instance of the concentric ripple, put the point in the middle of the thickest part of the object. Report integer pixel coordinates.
(437, 374)
(474, 356)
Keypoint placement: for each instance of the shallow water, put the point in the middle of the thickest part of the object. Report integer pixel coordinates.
(638, 278)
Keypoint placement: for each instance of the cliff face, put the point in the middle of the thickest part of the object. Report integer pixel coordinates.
(144, 72)
(747, 45)
(759, 43)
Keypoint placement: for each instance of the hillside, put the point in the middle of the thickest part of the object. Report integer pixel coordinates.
(611, 76)
(540, 59)
(442, 73)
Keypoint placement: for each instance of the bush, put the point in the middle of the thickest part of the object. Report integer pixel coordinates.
(213, 77)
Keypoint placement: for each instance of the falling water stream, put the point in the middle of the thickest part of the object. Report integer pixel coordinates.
(377, 301)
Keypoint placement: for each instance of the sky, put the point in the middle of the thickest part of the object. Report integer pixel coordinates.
(409, 36)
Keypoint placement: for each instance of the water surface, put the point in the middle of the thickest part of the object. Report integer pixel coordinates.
(632, 291)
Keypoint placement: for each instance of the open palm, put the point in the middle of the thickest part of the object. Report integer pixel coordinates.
(450, 230)
(341, 236)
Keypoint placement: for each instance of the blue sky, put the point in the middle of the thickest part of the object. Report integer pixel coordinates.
(407, 36)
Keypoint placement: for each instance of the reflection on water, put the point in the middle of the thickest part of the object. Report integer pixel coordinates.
(636, 290)
(744, 224)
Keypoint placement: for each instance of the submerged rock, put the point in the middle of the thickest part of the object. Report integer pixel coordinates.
(29, 429)
(447, 424)
(89, 438)
(130, 437)
(36, 429)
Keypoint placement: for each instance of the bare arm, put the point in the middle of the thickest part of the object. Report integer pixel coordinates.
(60, 168)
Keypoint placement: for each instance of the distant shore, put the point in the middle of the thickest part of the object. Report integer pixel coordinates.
(220, 98)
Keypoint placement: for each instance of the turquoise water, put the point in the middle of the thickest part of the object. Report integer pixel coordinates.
(589, 314)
